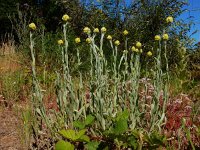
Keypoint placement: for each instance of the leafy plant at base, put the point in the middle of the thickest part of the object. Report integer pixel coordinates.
(72, 136)
(63, 145)
(123, 137)
(88, 121)
(77, 136)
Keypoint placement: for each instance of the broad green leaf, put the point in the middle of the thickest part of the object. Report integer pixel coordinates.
(80, 133)
(123, 115)
(121, 126)
(92, 145)
(84, 138)
(89, 120)
(68, 134)
(132, 141)
(79, 124)
(62, 145)
(156, 138)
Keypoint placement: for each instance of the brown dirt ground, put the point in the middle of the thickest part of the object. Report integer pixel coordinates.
(10, 138)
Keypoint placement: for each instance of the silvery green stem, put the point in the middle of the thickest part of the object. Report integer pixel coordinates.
(101, 42)
(166, 61)
(63, 84)
(134, 90)
(111, 44)
(78, 57)
(115, 78)
(166, 88)
(146, 85)
(126, 43)
(158, 88)
(91, 62)
(66, 48)
(126, 64)
(135, 75)
(37, 94)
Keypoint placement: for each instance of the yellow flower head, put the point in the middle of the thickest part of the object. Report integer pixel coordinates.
(117, 43)
(138, 45)
(125, 32)
(65, 17)
(77, 40)
(60, 42)
(103, 29)
(96, 30)
(169, 19)
(165, 36)
(88, 40)
(32, 26)
(141, 50)
(86, 30)
(109, 37)
(136, 50)
(149, 53)
(133, 48)
(157, 38)
(125, 51)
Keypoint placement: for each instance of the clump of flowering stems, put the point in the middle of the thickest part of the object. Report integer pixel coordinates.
(108, 90)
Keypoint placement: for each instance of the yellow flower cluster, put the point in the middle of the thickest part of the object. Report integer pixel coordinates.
(157, 38)
(125, 32)
(138, 48)
(109, 37)
(32, 26)
(169, 19)
(77, 40)
(117, 43)
(133, 48)
(149, 53)
(65, 17)
(86, 30)
(138, 45)
(88, 40)
(165, 37)
(60, 42)
(96, 30)
(103, 30)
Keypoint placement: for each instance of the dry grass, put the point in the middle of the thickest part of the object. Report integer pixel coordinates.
(8, 58)
(7, 48)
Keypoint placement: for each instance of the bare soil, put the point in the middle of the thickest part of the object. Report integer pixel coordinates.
(10, 138)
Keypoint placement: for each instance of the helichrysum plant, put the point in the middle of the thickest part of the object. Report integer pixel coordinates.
(109, 90)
